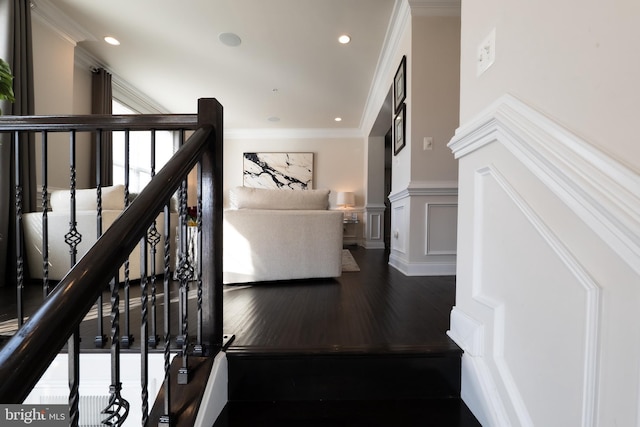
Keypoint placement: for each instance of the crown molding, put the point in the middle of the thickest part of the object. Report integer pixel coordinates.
(54, 18)
(386, 64)
(434, 7)
(293, 133)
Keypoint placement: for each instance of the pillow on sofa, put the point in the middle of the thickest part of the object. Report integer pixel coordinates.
(261, 198)
(112, 199)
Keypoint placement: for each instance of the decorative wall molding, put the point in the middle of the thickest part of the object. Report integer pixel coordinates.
(385, 69)
(54, 18)
(600, 190)
(435, 7)
(374, 226)
(579, 272)
(431, 246)
(426, 188)
(277, 134)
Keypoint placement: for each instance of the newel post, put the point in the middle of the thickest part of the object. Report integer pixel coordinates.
(210, 114)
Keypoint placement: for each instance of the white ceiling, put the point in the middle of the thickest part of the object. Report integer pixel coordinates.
(289, 65)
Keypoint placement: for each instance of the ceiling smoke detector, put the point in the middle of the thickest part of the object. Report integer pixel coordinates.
(230, 39)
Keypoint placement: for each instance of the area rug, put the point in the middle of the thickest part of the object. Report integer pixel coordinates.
(348, 263)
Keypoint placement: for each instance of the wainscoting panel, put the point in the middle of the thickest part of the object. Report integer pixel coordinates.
(442, 228)
(374, 227)
(547, 276)
(430, 219)
(399, 228)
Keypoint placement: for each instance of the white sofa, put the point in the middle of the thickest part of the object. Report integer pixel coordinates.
(58, 225)
(280, 235)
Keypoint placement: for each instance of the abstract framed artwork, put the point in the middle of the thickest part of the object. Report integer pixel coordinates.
(278, 170)
(400, 85)
(399, 130)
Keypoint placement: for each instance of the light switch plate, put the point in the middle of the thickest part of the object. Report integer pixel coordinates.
(487, 52)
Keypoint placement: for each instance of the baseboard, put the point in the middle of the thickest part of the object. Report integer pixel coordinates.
(429, 268)
(479, 391)
(373, 245)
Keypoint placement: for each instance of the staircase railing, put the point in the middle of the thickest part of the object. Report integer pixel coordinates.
(54, 326)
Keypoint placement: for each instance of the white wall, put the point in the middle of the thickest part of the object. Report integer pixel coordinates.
(424, 187)
(338, 162)
(60, 88)
(549, 230)
(573, 60)
(435, 103)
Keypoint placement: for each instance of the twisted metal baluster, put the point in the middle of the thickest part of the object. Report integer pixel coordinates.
(153, 238)
(118, 408)
(144, 332)
(185, 273)
(199, 347)
(127, 338)
(73, 239)
(18, 223)
(100, 339)
(46, 289)
(165, 418)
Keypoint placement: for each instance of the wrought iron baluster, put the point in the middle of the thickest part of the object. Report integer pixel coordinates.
(165, 418)
(100, 339)
(127, 338)
(46, 289)
(199, 347)
(144, 333)
(153, 238)
(185, 274)
(118, 408)
(73, 239)
(18, 222)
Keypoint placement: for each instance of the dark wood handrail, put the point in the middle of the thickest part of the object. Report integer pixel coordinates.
(27, 355)
(98, 122)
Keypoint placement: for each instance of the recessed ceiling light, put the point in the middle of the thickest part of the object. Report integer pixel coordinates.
(112, 41)
(230, 39)
(344, 39)
(338, 119)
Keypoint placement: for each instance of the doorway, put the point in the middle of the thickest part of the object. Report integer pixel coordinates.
(388, 156)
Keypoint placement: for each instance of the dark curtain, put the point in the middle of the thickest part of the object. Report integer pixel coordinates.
(15, 48)
(101, 103)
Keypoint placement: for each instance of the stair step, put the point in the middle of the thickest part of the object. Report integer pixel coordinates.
(365, 413)
(343, 376)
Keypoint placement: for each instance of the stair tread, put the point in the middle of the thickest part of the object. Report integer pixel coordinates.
(370, 413)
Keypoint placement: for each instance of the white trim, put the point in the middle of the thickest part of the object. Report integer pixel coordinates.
(479, 389)
(593, 293)
(264, 134)
(436, 268)
(435, 7)
(426, 188)
(428, 251)
(216, 394)
(381, 83)
(602, 191)
(54, 18)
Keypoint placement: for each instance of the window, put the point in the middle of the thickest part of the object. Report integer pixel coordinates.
(139, 153)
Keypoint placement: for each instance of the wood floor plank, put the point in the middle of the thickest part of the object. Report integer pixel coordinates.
(375, 309)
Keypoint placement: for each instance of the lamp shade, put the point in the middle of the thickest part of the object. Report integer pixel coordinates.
(346, 199)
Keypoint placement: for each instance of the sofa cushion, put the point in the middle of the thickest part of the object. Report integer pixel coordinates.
(112, 199)
(261, 198)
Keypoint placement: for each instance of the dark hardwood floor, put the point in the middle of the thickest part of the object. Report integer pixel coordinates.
(375, 309)
(366, 348)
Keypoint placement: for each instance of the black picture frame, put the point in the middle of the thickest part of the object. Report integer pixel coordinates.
(399, 130)
(400, 85)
